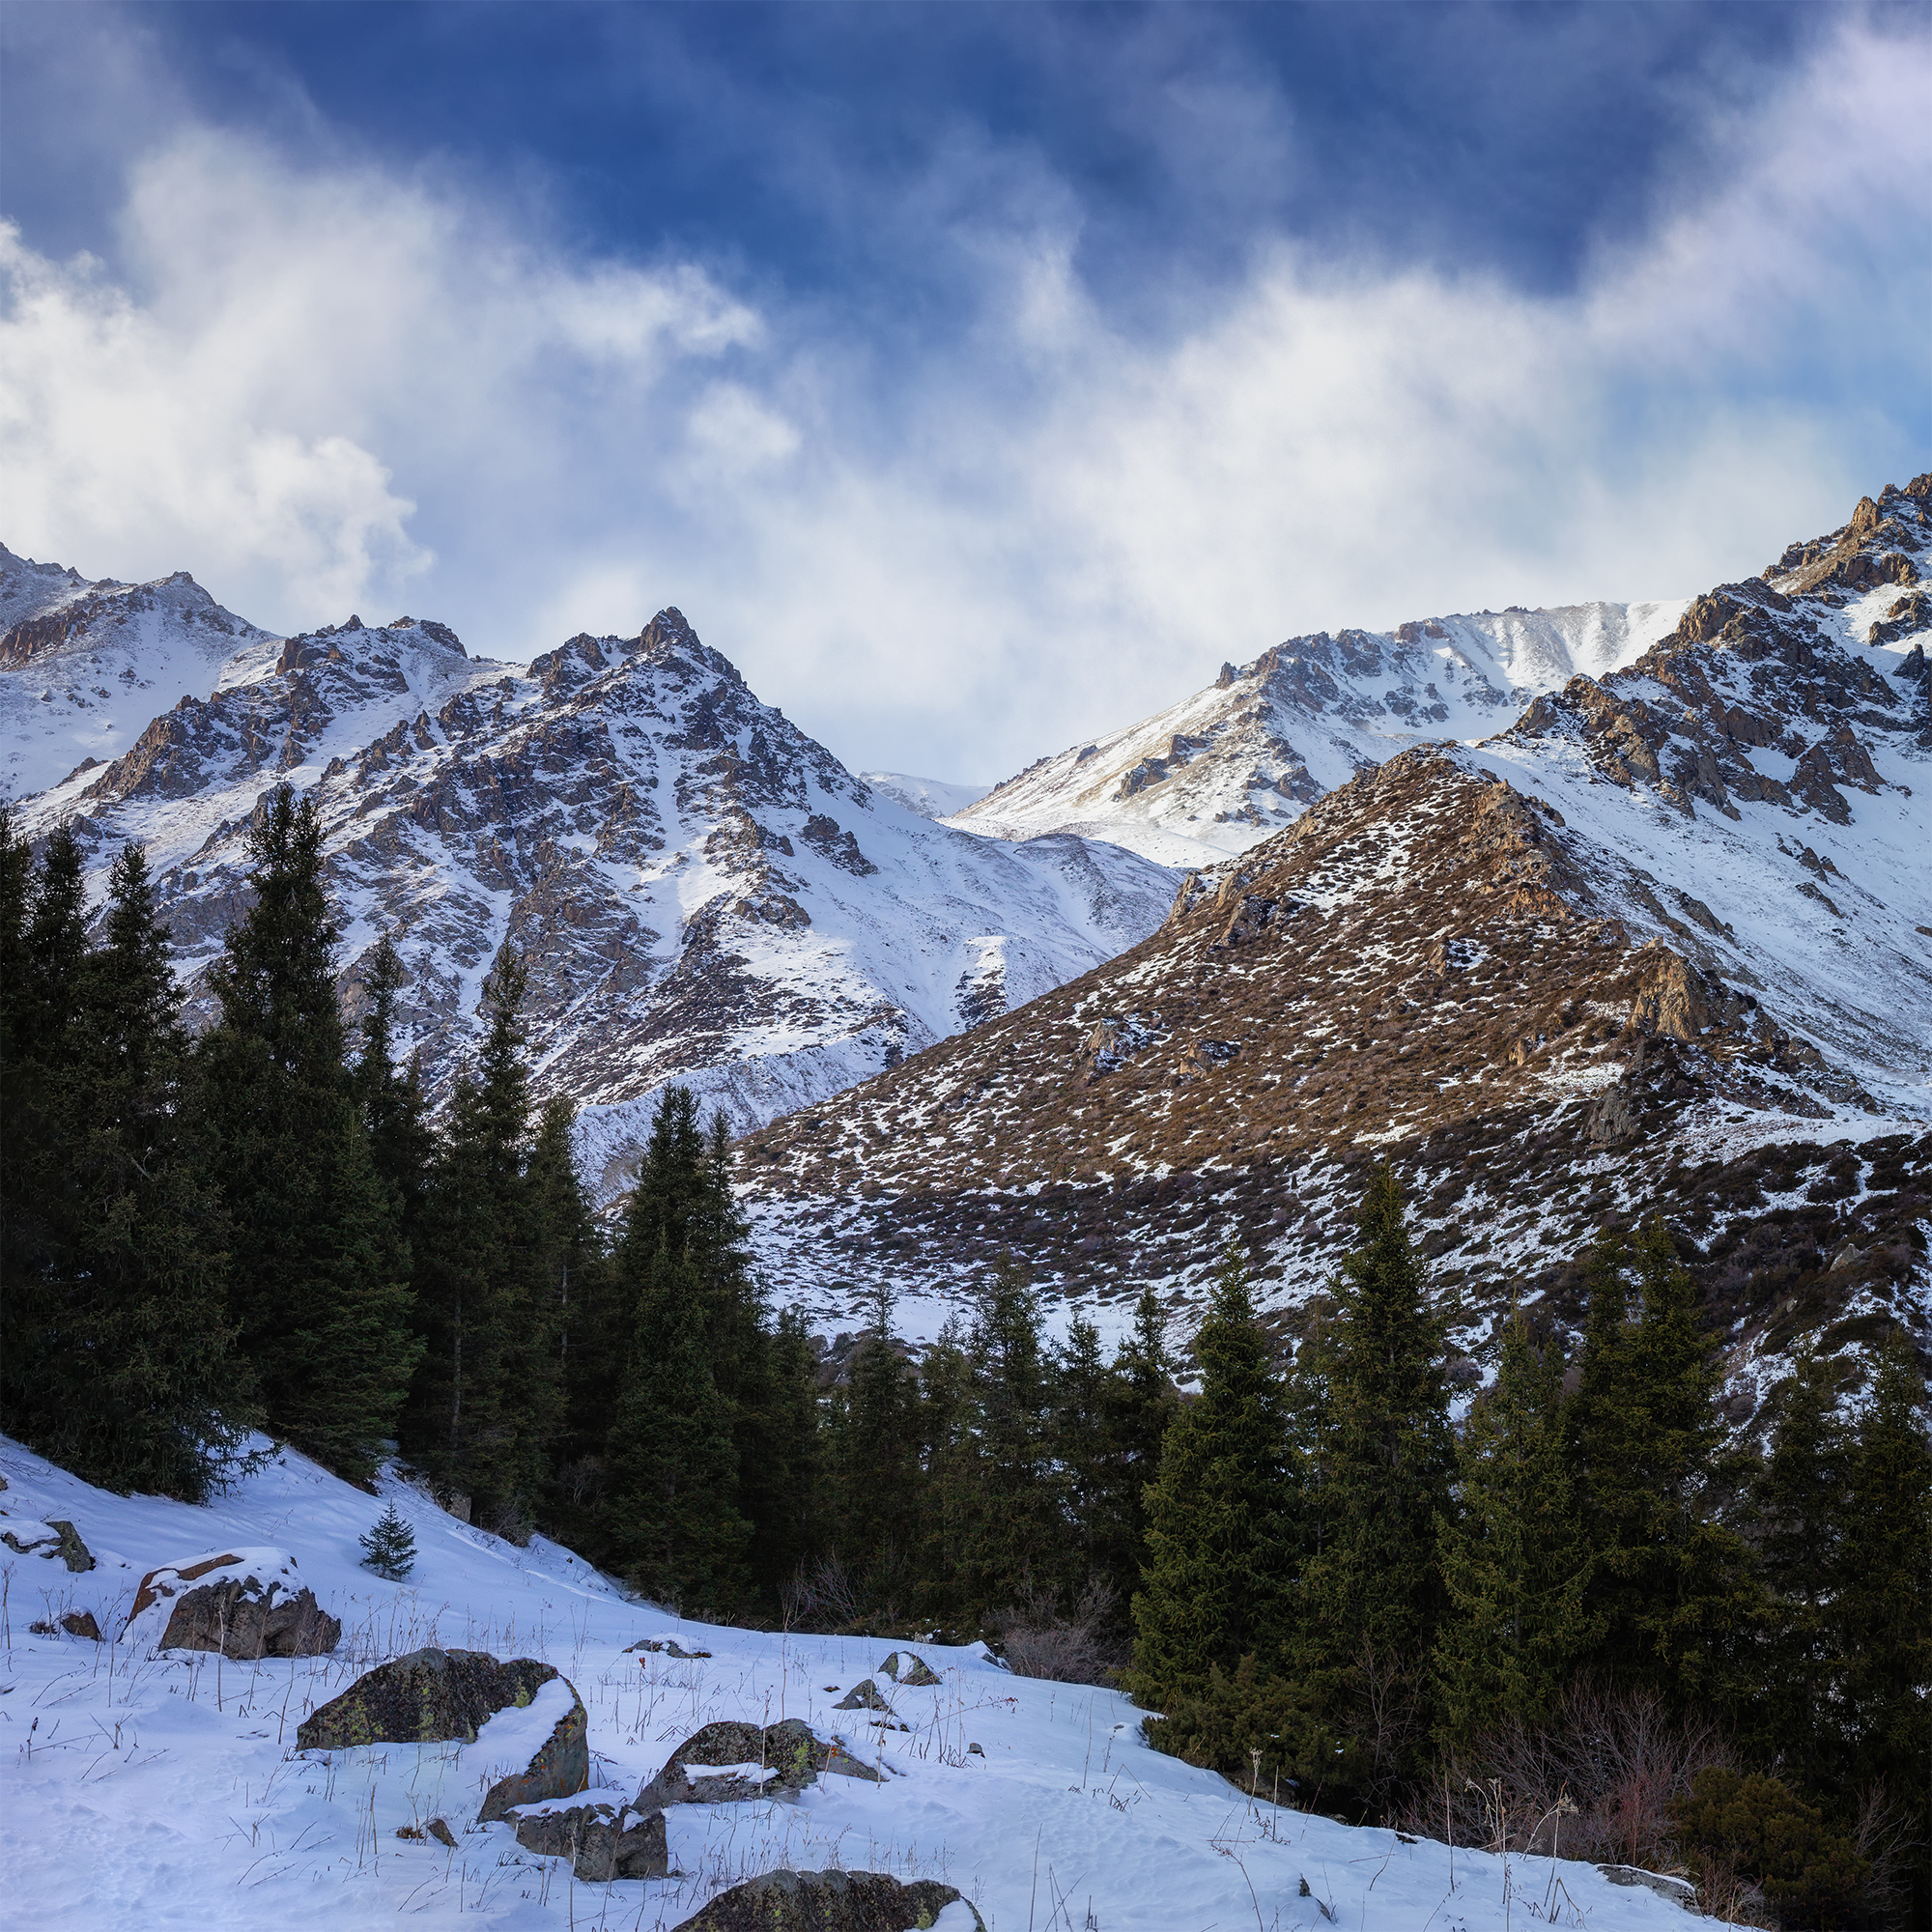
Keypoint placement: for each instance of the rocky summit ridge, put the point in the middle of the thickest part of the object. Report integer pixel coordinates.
(703, 892)
(1661, 943)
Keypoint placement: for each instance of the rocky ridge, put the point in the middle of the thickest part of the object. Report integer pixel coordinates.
(85, 664)
(702, 891)
(1235, 763)
(1661, 944)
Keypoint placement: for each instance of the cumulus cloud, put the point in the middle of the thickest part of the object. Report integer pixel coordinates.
(955, 548)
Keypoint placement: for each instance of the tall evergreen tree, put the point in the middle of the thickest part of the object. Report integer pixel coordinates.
(1373, 1595)
(390, 1094)
(1221, 1521)
(1014, 1532)
(1669, 1582)
(1512, 1560)
(878, 1468)
(670, 1513)
(792, 1532)
(319, 1269)
(1083, 1450)
(1799, 1502)
(487, 1406)
(1881, 1612)
(588, 1322)
(43, 934)
(119, 1360)
(683, 1201)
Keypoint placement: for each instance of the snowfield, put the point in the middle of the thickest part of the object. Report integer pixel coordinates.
(165, 1790)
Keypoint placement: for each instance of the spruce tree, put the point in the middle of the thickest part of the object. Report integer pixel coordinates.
(44, 937)
(318, 1266)
(390, 1093)
(790, 1536)
(1373, 1595)
(1512, 1560)
(1880, 1627)
(1670, 1584)
(586, 1321)
(1221, 1523)
(389, 1547)
(124, 1372)
(488, 1400)
(1014, 1531)
(1140, 1402)
(670, 1513)
(878, 1466)
(1799, 1508)
(1082, 1446)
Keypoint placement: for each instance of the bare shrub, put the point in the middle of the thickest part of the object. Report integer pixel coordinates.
(1619, 1757)
(1885, 1836)
(826, 1595)
(1038, 1638)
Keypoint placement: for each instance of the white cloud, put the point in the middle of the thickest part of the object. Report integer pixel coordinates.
(952, 550)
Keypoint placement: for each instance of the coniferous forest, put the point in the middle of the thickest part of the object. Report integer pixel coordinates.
(1573, 1612)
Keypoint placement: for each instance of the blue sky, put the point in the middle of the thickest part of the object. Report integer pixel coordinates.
(976, 378)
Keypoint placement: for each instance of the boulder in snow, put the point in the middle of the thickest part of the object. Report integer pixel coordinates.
(835, 1901)
(56, 1539)
(601, 1836)
(1665, 1885)
(903, 1668)
(725, 1762)
(246, 1604)
(422, 1697)
(865, 1695)
(542, 1750)
(525, 1726)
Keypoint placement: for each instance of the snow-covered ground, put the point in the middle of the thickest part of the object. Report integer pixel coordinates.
(165, 1790)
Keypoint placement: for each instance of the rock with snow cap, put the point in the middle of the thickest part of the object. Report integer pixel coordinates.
(245, 1602)
(57, 1540)
(903, 1668)
(421, 1698)
(601, 1836)
(727, 1761)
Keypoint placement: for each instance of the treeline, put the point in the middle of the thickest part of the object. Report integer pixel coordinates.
(1578, 1595)
(262, 1226)
(1323, 1580)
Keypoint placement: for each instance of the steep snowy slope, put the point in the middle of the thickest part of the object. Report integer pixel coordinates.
(930, 798)
(1663, 944)
(1225, 768)
(165, 1789)
(83, 665)
(702, 891)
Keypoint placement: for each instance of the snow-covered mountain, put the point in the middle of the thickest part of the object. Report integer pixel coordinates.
(1227, 767)
(84, 666)
(930, 798)
(1661, 943)
(702, 891)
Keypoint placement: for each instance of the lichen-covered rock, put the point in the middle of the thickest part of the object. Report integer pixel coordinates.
(727, 1762)
(246, 1604)
(602, 1838)
(422, 1697)
(832, 1901)
(903, 1668)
